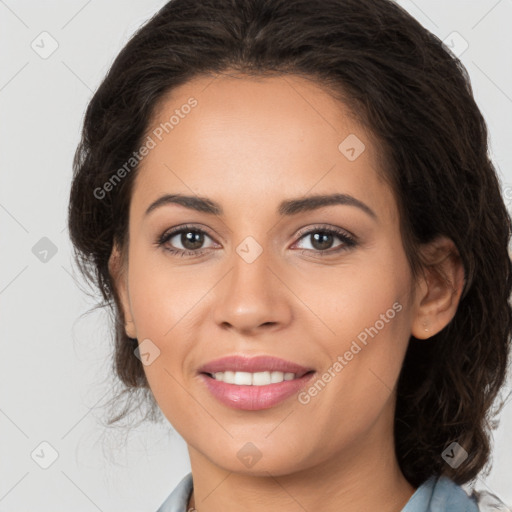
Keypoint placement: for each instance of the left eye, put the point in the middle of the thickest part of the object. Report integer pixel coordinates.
(192, 240)
(322, 239)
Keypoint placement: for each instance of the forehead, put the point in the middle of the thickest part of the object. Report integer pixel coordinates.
(245, 140)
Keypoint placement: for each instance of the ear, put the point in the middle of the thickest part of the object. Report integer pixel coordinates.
(439, 289)
(117, 270)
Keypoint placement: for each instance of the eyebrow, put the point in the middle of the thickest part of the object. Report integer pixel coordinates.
(286, 208)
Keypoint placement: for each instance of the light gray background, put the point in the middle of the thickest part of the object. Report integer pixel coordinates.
(55, 365)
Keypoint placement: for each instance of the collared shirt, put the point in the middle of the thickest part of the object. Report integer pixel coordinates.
(437, 494)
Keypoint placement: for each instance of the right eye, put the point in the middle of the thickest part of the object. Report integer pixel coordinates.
(191, 239)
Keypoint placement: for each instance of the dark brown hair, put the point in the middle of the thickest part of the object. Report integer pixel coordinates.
(415, 97)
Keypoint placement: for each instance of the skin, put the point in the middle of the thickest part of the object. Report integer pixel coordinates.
(248, 145)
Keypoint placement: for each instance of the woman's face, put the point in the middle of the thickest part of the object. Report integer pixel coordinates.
(259, 278)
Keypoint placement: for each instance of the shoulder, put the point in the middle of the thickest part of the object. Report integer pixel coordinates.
(178, 499)
(440, 494)
(448, 495)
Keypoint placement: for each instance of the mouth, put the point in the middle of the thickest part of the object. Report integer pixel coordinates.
(253, 383)
(254, 391)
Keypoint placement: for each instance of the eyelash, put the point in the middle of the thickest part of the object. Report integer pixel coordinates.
(348, 240)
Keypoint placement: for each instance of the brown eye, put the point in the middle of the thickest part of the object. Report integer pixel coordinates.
(322, 239)
(191, 240)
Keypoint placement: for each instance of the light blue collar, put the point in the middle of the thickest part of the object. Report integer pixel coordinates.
(440, 494)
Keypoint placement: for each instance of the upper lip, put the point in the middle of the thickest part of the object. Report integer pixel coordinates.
(238, 363)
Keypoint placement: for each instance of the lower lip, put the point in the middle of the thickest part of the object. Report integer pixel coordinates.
(254, 398)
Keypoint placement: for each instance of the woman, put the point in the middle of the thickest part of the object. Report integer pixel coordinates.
(291, 209)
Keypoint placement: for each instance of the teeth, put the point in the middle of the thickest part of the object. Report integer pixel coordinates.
(253, 379)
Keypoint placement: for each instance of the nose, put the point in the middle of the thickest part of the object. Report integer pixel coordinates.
(252, 298)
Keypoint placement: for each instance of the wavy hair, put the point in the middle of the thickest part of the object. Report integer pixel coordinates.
(415, 98)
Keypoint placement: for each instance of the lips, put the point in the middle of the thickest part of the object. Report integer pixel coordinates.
(254, 397)
(238, 363)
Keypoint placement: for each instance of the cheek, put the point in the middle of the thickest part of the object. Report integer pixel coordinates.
(160, 296)
(162, 302)
(157, 303)
(366, 310)
(349, 297)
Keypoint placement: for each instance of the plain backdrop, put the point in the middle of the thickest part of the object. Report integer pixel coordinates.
(55, 364)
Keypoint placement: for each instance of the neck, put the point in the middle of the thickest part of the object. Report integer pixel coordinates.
(364, 477)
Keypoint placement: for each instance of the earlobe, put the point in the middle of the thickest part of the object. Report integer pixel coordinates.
(118, 274)
(439, 290)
